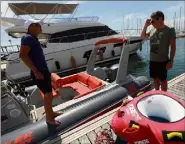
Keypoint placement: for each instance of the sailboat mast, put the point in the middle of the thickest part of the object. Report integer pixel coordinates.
(184, 16)
(180, 20)
(174, 21)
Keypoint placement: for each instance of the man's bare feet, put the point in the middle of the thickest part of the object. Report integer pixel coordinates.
(53, 122)
(55, 114)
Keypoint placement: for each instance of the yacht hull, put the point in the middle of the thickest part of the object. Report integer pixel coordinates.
(60, 62)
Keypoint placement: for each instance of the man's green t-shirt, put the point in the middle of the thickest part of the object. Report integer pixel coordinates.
(160, 42)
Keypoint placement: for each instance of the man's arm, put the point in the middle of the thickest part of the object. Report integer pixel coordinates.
(24, 50)
(144, 35)
(172, 44)
(172, 49)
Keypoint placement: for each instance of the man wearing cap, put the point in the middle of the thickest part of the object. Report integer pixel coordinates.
(161, 38)
(32, 55)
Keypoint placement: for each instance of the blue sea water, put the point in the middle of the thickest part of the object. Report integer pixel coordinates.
(142, 67)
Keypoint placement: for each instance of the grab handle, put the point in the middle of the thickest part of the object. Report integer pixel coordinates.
(130, 130)
(174, 134)
(134, 127)
(120, 113)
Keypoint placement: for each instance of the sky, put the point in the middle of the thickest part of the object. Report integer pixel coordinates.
(117, 15)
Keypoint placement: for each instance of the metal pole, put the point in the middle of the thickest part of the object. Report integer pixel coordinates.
(180, 20)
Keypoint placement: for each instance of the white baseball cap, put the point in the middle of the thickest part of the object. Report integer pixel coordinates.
(31, 21)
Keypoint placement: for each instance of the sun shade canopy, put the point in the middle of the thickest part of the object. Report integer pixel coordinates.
(42, 8)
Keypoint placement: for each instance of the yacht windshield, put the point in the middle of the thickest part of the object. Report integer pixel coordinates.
(79, 34)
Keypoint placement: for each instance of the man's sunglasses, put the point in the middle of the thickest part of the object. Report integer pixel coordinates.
(36, 24)
(152, 21)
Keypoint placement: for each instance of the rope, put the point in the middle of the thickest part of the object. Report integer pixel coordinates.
(104, 136)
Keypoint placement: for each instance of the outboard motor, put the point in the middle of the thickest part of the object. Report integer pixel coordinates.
(108, 71)
(13, 113)
(99, 73)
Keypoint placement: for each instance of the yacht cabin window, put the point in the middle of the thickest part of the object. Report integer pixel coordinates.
(79, 34)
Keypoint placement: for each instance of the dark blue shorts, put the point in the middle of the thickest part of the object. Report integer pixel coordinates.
(158, 70)
(45, 84)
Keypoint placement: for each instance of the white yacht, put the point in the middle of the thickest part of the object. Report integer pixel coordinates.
(67, 42)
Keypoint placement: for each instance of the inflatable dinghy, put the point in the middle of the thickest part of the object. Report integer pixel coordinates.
(155, 117)
(88, 97)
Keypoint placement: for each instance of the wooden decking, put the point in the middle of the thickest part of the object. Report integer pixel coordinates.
(177, 86)
(86, 134)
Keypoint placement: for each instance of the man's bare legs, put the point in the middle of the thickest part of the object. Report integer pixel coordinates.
(164, 85)
(48, 109)
(156, 83)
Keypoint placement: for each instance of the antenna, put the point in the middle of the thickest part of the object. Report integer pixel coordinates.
(174, 23)
(180, 20)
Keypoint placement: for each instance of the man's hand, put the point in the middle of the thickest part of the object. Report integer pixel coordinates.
(38, 75)
(145, 35)
(148, 22)
(169, 65)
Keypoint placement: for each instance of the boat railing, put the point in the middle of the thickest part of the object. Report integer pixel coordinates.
(6, 50)
(73, 19)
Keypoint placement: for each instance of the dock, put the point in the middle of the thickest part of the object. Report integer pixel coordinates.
(86, 134)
